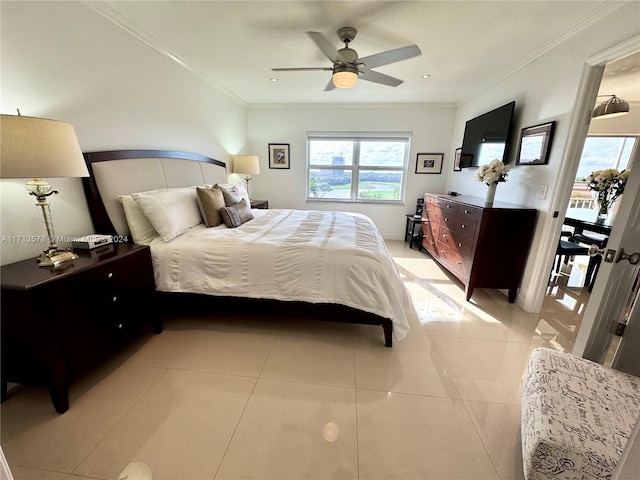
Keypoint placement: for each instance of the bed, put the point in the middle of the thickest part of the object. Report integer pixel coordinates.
(334, 262)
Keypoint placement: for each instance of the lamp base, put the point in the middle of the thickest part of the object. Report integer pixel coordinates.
(55, 257)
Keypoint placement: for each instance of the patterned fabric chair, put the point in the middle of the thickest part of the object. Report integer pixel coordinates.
(576, 417)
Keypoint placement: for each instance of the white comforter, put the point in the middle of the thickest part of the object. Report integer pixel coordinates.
(296, 255)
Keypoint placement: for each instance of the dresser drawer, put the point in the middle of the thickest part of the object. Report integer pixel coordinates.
(447, 206)
(429, 237)
(455, 241)
(471, 212)
(451, 257)
(465, 226)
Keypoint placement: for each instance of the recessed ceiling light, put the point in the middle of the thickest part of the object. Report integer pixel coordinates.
(274, 79)
(426, 76)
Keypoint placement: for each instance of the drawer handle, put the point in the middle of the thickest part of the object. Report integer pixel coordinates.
(459, 263)
(463, 226)
(446, 219)
(449, 206)
(110, 275)
(114, 299)
(444, 235)
(442, 252)
(460, 244)
(467, 211)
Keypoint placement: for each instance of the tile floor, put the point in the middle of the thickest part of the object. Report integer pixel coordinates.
(247, 397)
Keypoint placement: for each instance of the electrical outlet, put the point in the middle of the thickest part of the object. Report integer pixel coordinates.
(542, 193)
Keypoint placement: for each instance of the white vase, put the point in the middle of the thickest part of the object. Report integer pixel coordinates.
(491, 194)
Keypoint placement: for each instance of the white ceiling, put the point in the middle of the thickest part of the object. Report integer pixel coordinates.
(466, 45)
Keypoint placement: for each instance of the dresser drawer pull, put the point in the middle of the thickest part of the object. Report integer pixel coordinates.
(449, 206)
(460, 244)
(467, 211)
(446, 219)
(463, 226)
(444, 235)
(459, 263)
(110, 275)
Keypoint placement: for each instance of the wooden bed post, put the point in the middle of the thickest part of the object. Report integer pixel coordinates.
(387, 327)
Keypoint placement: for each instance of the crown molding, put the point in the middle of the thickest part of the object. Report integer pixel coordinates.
(590, 19)
(131, 28)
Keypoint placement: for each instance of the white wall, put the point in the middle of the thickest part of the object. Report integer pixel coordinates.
(431, 126)
(126, 96)
(544, 90)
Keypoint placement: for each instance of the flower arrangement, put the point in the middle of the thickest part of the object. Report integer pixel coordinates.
(492, 173)
(609, 184)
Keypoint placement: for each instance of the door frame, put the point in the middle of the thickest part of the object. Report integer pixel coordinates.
(592, 72)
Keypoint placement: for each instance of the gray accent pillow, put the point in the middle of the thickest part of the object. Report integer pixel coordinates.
(237, 214)
(232, 195)
(210, 201)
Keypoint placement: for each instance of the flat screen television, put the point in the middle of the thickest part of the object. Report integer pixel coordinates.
(485, 137)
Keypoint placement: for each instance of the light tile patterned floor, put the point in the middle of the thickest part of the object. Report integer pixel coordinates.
(240, 396)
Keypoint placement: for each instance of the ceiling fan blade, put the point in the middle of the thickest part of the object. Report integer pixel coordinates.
(325, 45)
(302, 69)
(377, 77)
(390, 56)
(330, 86)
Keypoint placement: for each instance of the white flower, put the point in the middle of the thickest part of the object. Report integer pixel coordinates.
(602, 180)
(494, 172)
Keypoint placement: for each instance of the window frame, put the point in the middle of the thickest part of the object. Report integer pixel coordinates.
(355, 168)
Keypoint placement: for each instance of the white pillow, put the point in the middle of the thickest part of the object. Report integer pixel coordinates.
(141, 230)
(171, 211)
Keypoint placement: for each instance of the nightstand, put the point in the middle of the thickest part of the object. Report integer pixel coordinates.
(262, 204)
(56, 323)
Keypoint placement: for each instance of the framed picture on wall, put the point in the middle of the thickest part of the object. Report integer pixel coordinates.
(429, 162)
(535, 143)
(456, 160)
(278, 155)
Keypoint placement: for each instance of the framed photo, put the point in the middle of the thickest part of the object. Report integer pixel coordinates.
(535, 143)
(456, 160)
(429, 162)
(278, 155)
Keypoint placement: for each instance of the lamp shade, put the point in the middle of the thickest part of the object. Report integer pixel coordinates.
(247, 164)
(613, 107)
(345, 79)
(33, 147)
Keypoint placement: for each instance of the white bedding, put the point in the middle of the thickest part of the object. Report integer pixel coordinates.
(295, 255)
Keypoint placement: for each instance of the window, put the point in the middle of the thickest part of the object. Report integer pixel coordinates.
(357, 167)
(599, 153)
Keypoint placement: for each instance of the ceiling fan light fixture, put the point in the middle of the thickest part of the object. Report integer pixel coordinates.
(345, 79)
(613, 107)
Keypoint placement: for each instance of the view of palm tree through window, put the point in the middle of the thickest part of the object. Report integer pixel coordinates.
(357, 169)
(599, 153)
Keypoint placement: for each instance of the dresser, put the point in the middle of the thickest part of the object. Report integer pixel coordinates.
(484, 247)
(57, 323)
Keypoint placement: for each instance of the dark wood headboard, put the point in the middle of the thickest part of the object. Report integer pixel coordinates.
(143, 170)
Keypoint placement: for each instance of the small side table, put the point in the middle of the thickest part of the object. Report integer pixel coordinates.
(261, 204)
(410, 233)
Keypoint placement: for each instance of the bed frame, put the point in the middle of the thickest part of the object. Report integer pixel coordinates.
(120, 172)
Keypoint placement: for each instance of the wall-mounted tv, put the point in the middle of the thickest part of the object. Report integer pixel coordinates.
(485, 137)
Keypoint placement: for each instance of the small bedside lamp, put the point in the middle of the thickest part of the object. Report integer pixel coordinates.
(41, 148)
(247, 164)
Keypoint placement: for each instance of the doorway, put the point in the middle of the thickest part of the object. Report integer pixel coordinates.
(592, 335)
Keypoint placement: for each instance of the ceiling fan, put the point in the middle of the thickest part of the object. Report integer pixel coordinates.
(347, 67)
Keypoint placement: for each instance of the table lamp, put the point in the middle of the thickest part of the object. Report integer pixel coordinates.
(247, 164)
(40, 148)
